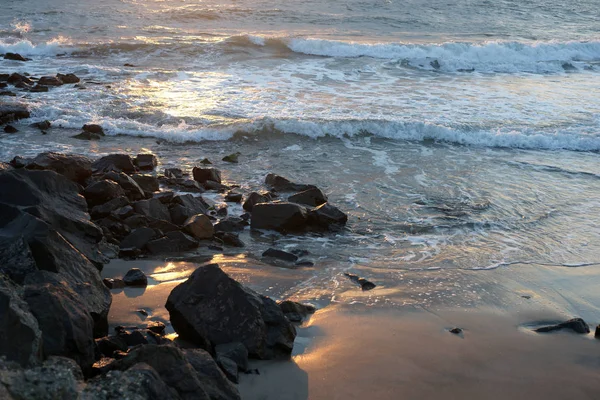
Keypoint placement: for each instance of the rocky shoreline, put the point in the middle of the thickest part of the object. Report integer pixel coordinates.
(64, 216)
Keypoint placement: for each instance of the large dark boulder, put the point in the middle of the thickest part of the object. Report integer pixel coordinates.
(132, 190)
(140, 382)
(101, 192)
(20, 335)
(312, 197)
(327, 216)
(210, 376)
(10, 113)
(114, 162)
(172, 242)
(255, 198)
(282, 217)
(68, 78)
(138, 238)
(282, 184)
(210, 309)
(186, 206)
(146, 162)
(148, 183)
(76, 168)
(104, 210)
(203, 175)
(577, 325)
(65, 322)
(152, 208)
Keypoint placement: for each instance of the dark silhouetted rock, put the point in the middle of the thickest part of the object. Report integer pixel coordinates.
(148, 183)
(87, 136)
(76, 168)
(104, 210)
(113, 283)
(213, 380)
(12, 113)
(68, 78)
(311, 197)
(210, 309)
(327, 216)
(50, 81)
(93, 128)
(364, 284)
(135, 277)
(109, 344)
(10, 129)
(229, 239)
(232, 158)
(174, 173)
(162, 225)
(8, 93)
(140, 382)
(577, 325)
(229, 368)
(255, 198)
(235, 351)
(280, 254)
(230, 224)
(44, 126)
(102, 192)
(39, 89)
(206, 174)
(456, 331)
(15, 57)
(296, 312)
(138, 238)
(152, 208)
(146, 162)
(172, 242)
(282, 184)
(165, 197)
(114, 162)
(233, 197)
(282, 217)
(199, 226)
(132, 190)
(186, 206)
(156, 327)
(21, 338)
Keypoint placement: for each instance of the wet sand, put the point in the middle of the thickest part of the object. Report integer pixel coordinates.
(394, 342)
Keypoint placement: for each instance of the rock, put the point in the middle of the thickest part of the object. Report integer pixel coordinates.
(75, 167)
(140, 382)
(577, 325)
(39, 89)
(235, 351)
(109, 344)
(114, 162)
(136, 221)
(102, 192)
(364, 284)
(12, 113)
(435, 64)
(282, 217)
(156, 327)
(15, 78)
(152, 208)
(162, 225)
(130, 253)
(65, 321)
(87, 136)
(230, 239)
(21, 336)
(57, 379)
(210, 309)
(174, 173)
(597, 333)
(10, 129)
(146, 162)
(205, 161)
(8, 93)
(186, 206)
(50, 81)
(327, 216)
(112, 283)
(212, 185)
(132, 190)
(117, 228)
(104, 210)
(184, 184)
(148, 183)
(206, 174)
(255, 198)
(138, 238)
(282, 184)
(296, 312)
(172, 242)
(230, 224)
(233, 197)
(68, 78)
(135, 277)
(15, 57)
(45, 125)
(213, 380)
(164, 197)
(124, 212)
(456, 331)
(93, 128)
(280, 254)
(229, 368)
(232, 158)
(199, 227)
(311, 197)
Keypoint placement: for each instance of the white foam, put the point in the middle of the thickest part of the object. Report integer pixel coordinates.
(26, 48)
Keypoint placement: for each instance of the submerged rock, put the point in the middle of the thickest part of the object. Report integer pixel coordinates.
(280, 254)
(232, 158)
(210, 309)
(10, 129)
(15, 57)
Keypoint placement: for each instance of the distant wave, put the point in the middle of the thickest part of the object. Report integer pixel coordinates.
(413, 131)
(26, 48)
(492, 56)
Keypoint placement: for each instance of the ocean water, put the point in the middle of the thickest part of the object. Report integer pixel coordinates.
(457, 134)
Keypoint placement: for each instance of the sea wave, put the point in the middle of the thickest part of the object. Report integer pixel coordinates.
(52, 47)
(490, 56)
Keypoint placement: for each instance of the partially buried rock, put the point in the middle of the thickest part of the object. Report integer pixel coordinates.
(203, 175)
(364, 284)
(68, 78)
(42, 125)
(205, 161)
(232, 158)
(210, 309)
(577, 325)
(87, 136)
(280, 254)
(135, 277)
(172, 242)
(235, 351)
(15, 57)
(39, 89)
(113, 283)
(296, 312)
(230, 239)
(10, 129)
(233, 197)
(146, 162)
(93, 128)
(456, 331)
(50, 81)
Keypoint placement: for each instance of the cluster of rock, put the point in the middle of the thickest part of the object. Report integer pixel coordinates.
(60, 216)
(28, 83)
